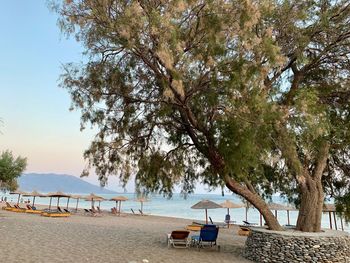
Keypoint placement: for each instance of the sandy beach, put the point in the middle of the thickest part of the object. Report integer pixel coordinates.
(108, 238)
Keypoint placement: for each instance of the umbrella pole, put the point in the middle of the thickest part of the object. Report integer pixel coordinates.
(141, 206)
(58, 202)
(206, 216)
(288, 217)
(67, 203)
(33, 200)
(228, 222)
(330, 220)
(18, 199)
(76, 208)
(335, 221)
(341, 222)
(50, 204)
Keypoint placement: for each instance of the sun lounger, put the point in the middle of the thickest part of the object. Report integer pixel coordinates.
(246, 223)
(18, 209)
(114, 210)
(217, 224)
(142, 213)
(8, 207)
(179, 239)
(194, 227)
(133, 212)
(55, 214)
(32, 210)
(207, 237)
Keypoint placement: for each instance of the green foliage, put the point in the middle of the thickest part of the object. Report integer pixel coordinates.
(188, 90)
(10, 169)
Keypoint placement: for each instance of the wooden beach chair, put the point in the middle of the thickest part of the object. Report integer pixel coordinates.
(179, 239)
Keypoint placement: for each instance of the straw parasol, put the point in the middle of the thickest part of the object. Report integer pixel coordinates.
(228, 204)
(206, 204)
(119, 199)
(92, 197)
(58, 195)
(19, 193)
(142, 200)
(34, 194)
(280, 207)
(76, 197)
(330, 208)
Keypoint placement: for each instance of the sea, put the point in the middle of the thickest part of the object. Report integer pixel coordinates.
(180, 207)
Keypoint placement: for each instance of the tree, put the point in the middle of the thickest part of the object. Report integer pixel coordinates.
(233, 93)
(10, 169)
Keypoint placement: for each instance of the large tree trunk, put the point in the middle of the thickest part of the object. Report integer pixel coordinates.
(311, 193)
(256, 201)
(310, 212)
(248, 194)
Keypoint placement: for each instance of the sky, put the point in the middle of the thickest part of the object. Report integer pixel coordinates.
(36, 121)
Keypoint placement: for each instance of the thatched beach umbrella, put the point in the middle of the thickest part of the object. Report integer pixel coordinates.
(206, 204)
(228, 204)
(330, 208)
(142, 200)
(58, 195)
(76, 197)
(34, 194)
(119, 199)
(92, 197)
(280, 207)
(19, 193)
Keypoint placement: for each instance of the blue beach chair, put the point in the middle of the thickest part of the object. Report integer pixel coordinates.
(207, 237)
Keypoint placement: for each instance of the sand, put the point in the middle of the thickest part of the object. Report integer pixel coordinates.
(108, 238)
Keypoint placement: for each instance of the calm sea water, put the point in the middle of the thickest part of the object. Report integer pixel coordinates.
(180, 207)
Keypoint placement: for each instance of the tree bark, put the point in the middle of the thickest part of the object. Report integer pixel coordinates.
(310, 212)
(248, 194)
(256, 201)
(311, 194)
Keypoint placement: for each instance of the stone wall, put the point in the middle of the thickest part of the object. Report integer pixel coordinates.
(294, 246)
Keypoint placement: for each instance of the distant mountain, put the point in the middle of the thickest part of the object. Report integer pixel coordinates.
(58, 182)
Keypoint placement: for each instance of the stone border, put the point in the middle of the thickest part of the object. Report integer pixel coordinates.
(330, 246)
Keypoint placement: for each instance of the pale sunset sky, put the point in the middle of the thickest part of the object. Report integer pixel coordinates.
(36, 121)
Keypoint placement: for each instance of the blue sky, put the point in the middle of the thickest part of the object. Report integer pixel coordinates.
(36, 121)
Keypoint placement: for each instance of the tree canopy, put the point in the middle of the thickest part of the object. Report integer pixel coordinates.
(253, 95)
(10, 169)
